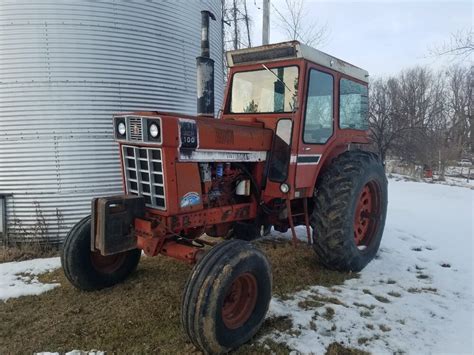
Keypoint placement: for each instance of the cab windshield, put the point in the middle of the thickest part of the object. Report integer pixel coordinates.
(265, 90)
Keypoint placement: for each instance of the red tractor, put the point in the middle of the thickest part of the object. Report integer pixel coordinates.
(286, 151)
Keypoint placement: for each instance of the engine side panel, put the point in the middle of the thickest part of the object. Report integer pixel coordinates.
(189, 197)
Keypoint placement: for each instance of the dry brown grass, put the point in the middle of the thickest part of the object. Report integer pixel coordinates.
(339, 349)
(140, 315)
(26, 251)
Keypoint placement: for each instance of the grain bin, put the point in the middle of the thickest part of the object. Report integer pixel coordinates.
(65, 68)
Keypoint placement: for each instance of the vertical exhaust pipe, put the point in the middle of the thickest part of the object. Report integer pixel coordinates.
(205, 70)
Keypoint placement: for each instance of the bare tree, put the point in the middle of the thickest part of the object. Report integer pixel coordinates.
(460, 45)
(385, 126)
(299, 24)
(460, 101)
(421, 107)
(236, 27)
(423, 117)
(237, 24)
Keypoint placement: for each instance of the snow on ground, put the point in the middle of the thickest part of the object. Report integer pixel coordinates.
(20, 278)
(415, 297)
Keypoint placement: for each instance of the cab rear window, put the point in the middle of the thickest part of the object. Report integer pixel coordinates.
(353, 105)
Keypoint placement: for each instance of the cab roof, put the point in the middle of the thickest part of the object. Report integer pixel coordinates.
(291, 50)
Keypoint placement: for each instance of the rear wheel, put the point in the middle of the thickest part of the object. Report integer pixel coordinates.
(349, 211)
(88, 270)
(226, 297)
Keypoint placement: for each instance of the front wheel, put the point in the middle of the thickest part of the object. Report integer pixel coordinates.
(88, 270)
(226, 297)
(350, 205)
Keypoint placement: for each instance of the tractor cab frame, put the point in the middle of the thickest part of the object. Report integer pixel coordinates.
(311, 128)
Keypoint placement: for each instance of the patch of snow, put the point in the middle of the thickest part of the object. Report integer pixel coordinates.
(415, 297)
(20, 278)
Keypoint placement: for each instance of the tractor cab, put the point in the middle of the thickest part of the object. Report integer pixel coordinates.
(316, 104)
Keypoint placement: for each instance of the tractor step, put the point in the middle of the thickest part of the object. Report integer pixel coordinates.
(291, 220)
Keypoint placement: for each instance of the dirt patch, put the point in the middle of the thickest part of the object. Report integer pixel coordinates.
(282, 324)
(296, 269)
(382, 299)
(339, 349)
(329, 314)
(310, 303)
(423, 289)
(370, 307)
(269, 346)
(394, 294)
(316, 300)
(141, 315)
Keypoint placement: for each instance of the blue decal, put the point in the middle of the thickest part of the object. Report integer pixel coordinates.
(190, 199)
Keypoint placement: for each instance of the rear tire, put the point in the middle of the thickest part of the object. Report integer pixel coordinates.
(87, 270)
(350, 206)
(226, 297)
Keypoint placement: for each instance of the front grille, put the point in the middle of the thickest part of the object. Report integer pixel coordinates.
(135, 128)
(144, 174)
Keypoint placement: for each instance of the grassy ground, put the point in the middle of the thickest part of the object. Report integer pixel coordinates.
(142, 314)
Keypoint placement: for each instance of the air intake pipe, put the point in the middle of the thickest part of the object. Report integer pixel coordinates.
(205, 71)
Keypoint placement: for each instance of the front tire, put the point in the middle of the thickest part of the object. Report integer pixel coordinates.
(226, 297)
(350, 206)
(88, 270)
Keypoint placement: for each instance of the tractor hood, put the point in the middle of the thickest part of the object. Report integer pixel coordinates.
(198, 138)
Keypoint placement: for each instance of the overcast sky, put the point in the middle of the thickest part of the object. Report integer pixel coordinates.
(381, 36)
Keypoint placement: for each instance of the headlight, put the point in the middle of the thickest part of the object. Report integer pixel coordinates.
(154, 130)
(284, 188)
(121, 128)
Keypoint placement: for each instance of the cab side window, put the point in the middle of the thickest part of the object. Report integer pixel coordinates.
(318, 124)
(353, 105)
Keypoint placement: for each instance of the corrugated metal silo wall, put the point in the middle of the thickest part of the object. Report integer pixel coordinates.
(65, 68)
